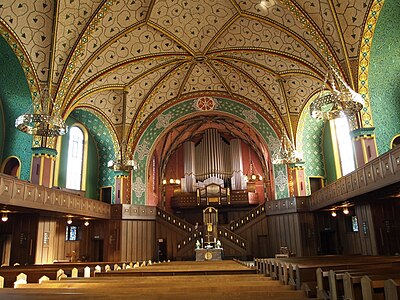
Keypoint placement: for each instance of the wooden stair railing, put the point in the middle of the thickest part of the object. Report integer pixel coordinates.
(248, 217)
(232, 237)
(175, 221)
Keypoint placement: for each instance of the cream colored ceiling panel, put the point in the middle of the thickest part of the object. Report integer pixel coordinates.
(129, 73)
(109, 102)
(298, 89)
(204, 78)
(254, 35)
(276, 63)
(32, 22)
(72, 19)
(266, 80)
(144, 93)
(245, 87)
(121, 15)
(168, 88)
(350, 15)
(142, 43)
(275, 12)
(194, 23)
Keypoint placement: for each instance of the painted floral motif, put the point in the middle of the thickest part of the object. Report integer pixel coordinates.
(143, 150)
(163, 120)
(138, 187)
(250, 116)
(205, 104)
(281, 181)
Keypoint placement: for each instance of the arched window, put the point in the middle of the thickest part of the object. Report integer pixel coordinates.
(345, 146)
(75, 158)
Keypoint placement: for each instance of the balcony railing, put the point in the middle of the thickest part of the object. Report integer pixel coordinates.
(378, 173)
(16, 192)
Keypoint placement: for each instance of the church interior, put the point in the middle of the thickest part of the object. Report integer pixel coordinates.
(137, 130)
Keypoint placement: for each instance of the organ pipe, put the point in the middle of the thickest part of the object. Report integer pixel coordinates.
(212, 157)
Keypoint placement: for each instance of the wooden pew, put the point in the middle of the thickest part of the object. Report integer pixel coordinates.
(373, 286)
(34, 272)
(392, 289)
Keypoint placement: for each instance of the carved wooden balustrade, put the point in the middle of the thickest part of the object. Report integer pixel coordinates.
(378, 173)
(16, 192)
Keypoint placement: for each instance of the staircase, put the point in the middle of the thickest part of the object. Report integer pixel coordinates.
(249, 217)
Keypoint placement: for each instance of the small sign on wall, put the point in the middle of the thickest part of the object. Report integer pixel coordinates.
(46, 238)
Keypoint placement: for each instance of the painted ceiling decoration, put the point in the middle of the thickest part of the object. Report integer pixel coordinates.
(270, 54)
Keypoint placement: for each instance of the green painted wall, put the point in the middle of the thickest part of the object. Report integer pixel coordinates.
(92, 187)
(104, 145)
(329, 154)
(311, 133)
(384, 75)
(16, 100)
(2, 131)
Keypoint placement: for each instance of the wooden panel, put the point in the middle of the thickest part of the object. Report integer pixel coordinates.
(137, 240)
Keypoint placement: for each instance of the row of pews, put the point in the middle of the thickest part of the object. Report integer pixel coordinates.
(174, 280)
(337, 277)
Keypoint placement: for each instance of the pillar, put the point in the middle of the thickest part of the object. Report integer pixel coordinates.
(364, 145)
(297, 185)
(42, 168)
(122, 188)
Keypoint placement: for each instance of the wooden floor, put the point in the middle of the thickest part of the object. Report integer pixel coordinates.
(175, 280)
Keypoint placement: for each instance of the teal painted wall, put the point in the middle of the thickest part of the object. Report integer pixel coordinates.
(104, 145)
(92, 187)
(2, 133)
(384, 75)
(312, 147)
(329, 155)
(16, 100)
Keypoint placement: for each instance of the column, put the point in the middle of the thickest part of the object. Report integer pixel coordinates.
(122, 187)
(42, 167)
(296, 180)
(364, 145)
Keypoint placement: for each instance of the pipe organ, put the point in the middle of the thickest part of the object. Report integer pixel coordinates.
(213, 157)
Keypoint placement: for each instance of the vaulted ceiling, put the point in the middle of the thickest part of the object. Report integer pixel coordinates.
(270, 54)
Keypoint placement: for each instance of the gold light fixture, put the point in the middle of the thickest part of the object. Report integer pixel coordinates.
(4, 217)
(171, 181)
(45, 121)
(333, 213)
(122, 161)
(86, 223)
(253, 176)
(287, 153)
(346, 210)
(342, 101)
(69, 221)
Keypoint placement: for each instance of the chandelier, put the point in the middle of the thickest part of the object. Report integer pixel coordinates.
(122, 163)
(252, 177)
(42, 123)
(340, 102)
(287, 154)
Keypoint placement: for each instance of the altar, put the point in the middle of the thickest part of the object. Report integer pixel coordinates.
(208, 254)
